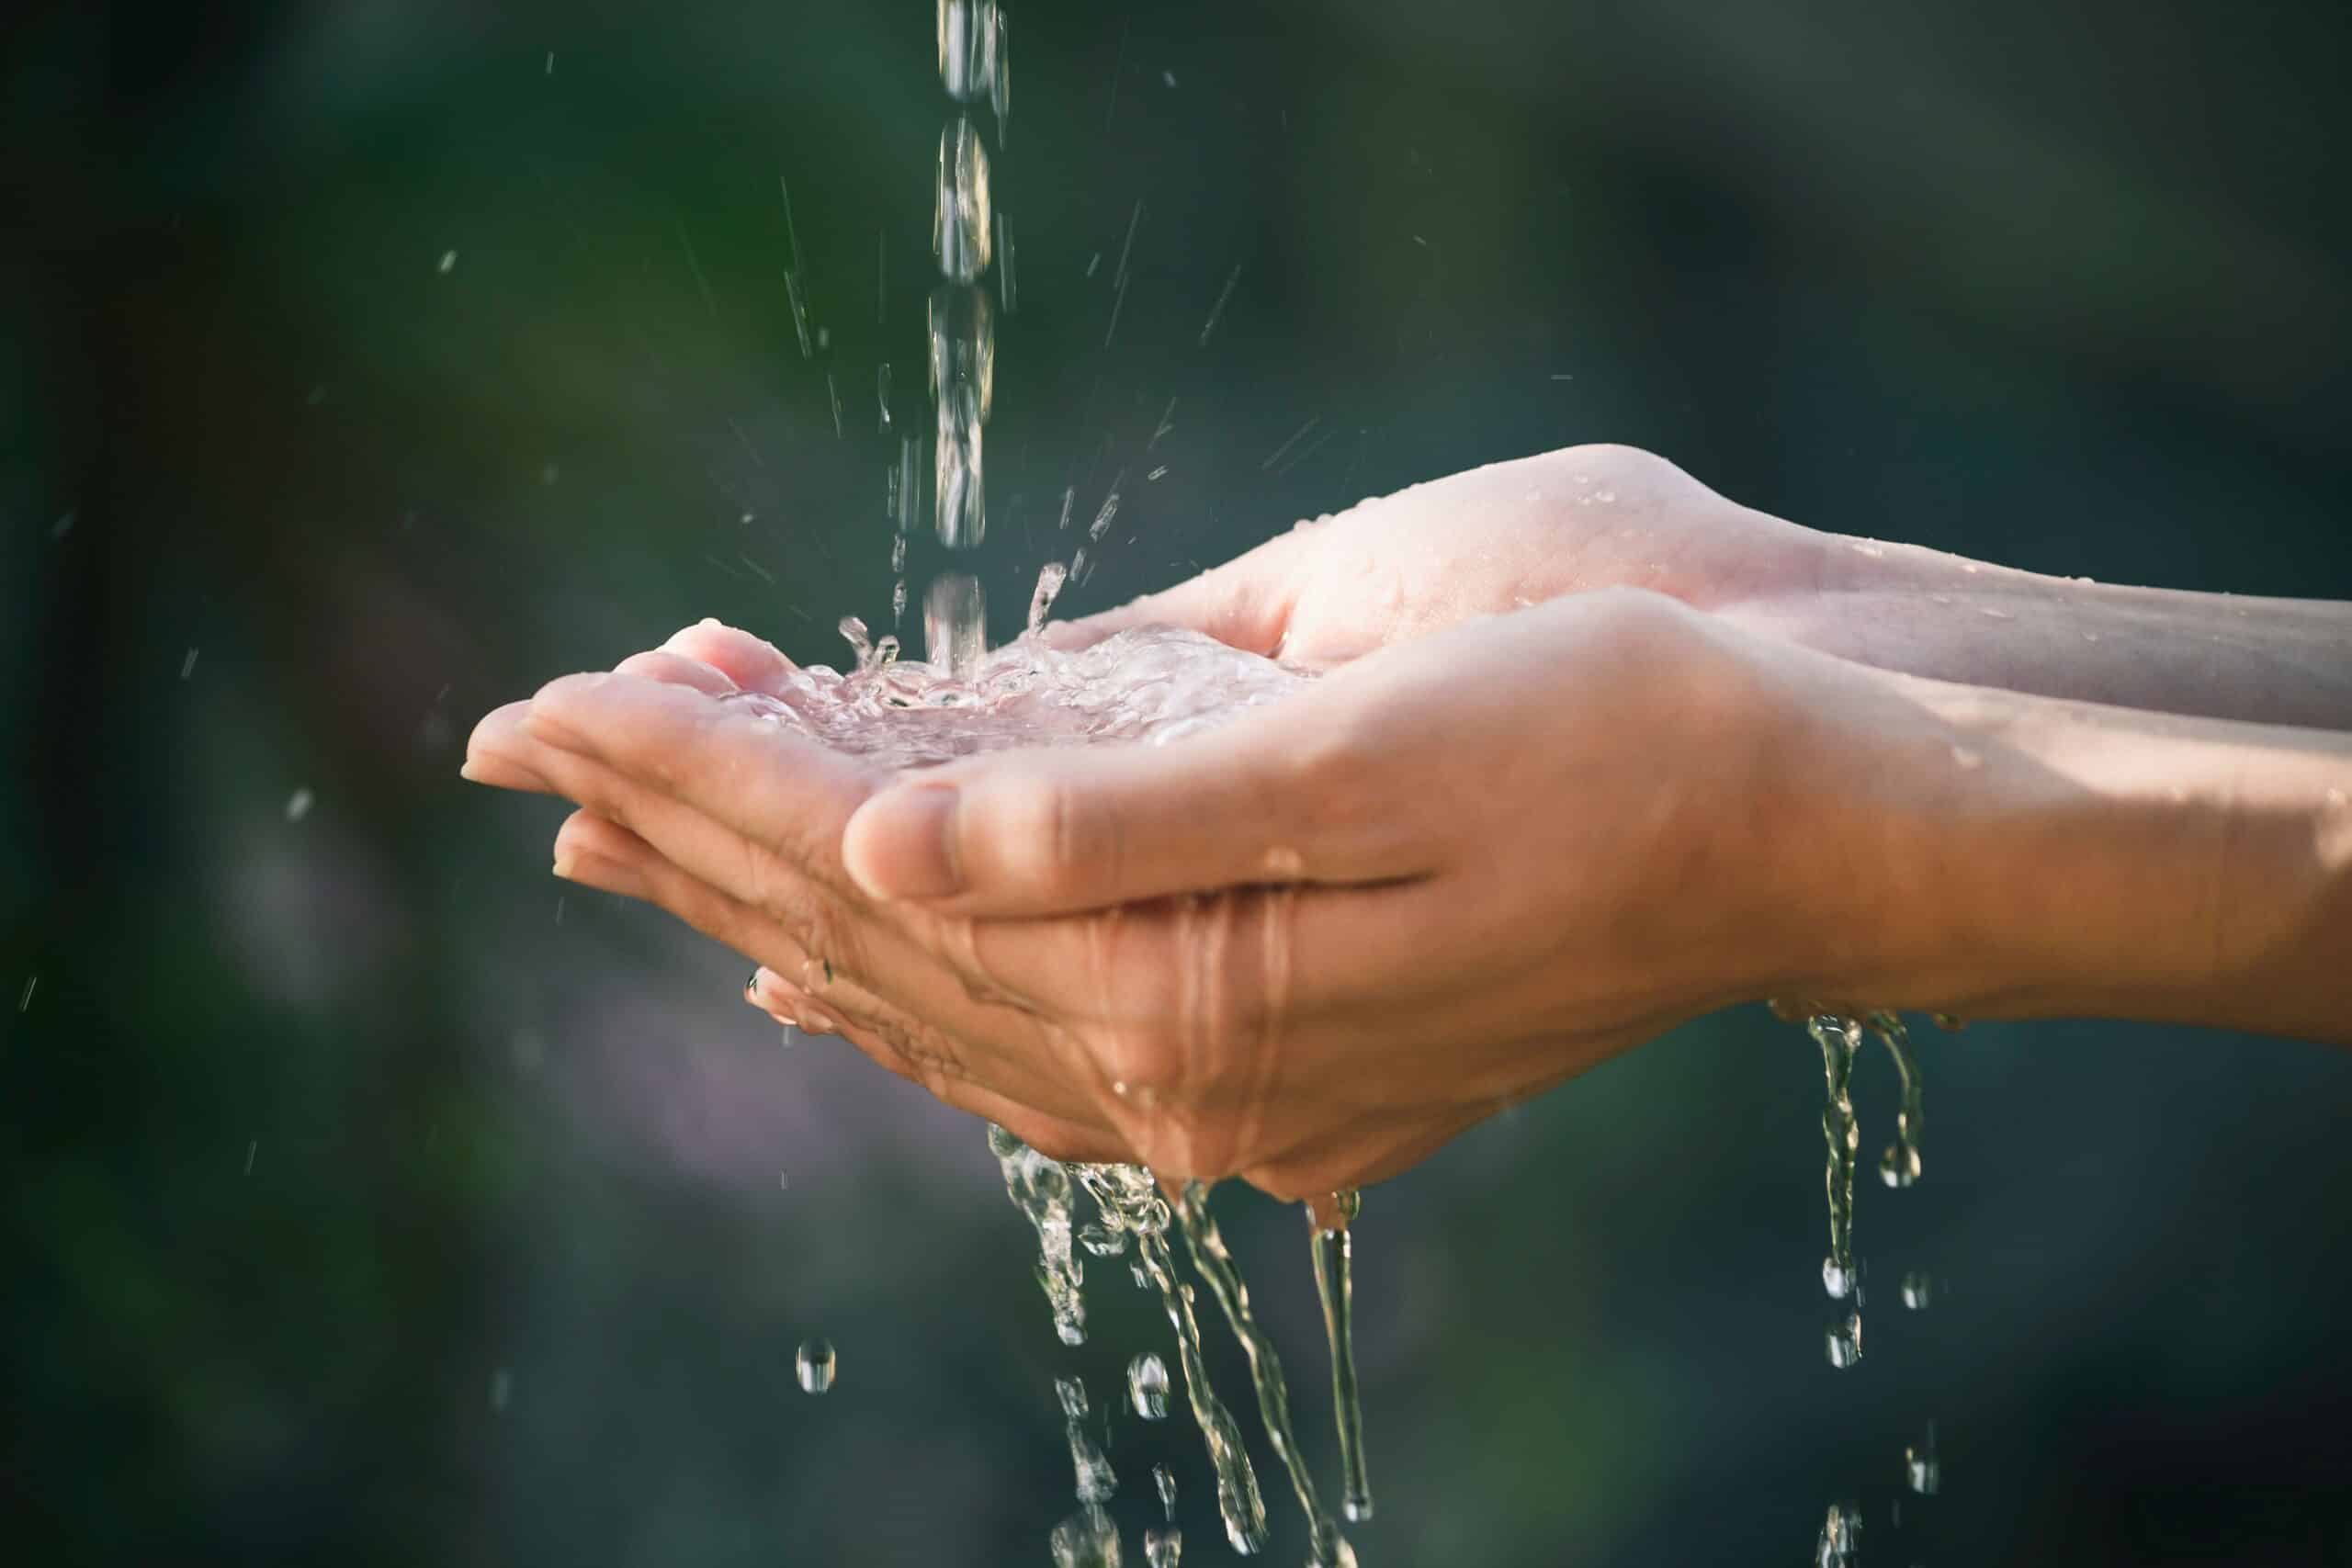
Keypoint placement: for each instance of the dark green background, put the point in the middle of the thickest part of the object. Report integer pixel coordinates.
(2060, 285)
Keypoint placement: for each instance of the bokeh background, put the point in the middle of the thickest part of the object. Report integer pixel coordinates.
(374, 1198)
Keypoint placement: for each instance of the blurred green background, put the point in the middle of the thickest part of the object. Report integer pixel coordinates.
(373, 1199)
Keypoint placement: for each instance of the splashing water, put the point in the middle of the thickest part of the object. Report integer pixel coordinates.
(1332, 1251)
(1163, 1548)
(1325, 1547)
(814, 1365)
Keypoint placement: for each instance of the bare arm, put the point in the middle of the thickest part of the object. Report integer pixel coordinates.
(1925, 613)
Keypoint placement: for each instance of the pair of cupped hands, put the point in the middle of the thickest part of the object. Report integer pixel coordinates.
(1551, 795)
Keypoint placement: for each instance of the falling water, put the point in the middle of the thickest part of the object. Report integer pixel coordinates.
(1147, 1387)
(1040, 1189)
(1096, 1481)
(1922, 1470)
(1129, 1199)
(1839, 1039)
(1332, 1249)
(1841, 1537)
(1899, 1165)
(1325, 1547)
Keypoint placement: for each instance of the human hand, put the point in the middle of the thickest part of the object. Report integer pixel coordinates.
(1425, 887)
(1486, 542)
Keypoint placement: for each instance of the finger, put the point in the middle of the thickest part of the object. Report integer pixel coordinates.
(489, 759)
(1261, 800)
(789, 794)
(661, 664)
(1246, 603)
(751, 663)
(928, 1013)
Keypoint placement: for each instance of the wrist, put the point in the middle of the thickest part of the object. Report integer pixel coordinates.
(2043, 858)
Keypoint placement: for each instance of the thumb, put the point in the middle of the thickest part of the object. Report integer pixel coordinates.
(1245, 603)
(1263, 800)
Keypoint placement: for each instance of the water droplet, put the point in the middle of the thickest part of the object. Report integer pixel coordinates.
(1164, 1480)
(815, 1366)
(1163, 1548)
(449, 262)
(1918, 1290)
(1101, 1240)
(1086, 1539)
(1898, 1165)
(1845, 1341)
(1836, 1278)
(1922, 1470)
(1096, 1484)
(298, 805)
(1841, 1537)
(187, 665)
(1148, 1386)
(502, 1388)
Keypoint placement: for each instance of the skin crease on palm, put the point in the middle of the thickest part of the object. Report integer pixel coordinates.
(1311, 945)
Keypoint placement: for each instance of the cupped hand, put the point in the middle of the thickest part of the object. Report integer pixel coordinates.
(1307, 947)
(1486, 542)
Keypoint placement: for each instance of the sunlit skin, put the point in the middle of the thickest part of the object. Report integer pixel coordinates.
(1571, 774)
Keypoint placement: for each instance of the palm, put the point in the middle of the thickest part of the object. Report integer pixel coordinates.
(1486, 542)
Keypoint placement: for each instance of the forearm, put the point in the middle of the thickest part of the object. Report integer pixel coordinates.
(2047, 857)
(1922, 612)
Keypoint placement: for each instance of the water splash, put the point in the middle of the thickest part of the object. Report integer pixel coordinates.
(1333, 1251)
(1153, 684)
(1050, 578)
(814, 1365)
(1325, 1547)
(1163, 1548)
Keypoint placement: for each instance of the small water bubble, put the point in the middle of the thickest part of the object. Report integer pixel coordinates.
(1899, 1165)
(253, 1147)
(187, 665)
(1918, 1290)
(1148, 1386)
(502, 1388)
(449, 262)
(1167, 78)
(824, 337)
(1157, 474)
(550, 68)
(815, 1366)
(1845, 1342)
(298, 805)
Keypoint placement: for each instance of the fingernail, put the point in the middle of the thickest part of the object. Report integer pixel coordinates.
(901, 844)
(467, 773)
(566, 863)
